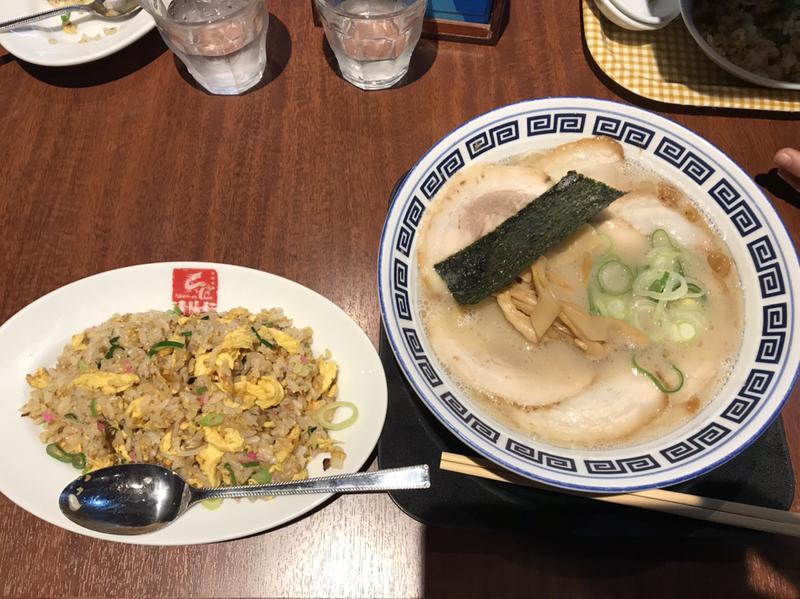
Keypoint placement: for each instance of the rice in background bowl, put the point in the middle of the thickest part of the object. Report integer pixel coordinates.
(755, 40)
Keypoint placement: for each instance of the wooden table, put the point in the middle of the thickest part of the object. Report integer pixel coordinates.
(124, 161)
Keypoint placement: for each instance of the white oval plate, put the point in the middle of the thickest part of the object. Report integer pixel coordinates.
(32, 44)
(765, 256)
(36, 335)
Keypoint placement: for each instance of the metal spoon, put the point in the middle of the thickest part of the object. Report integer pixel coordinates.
(109, 10)
(138, 498)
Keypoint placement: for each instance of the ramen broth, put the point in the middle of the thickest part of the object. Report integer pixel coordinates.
(552, 390)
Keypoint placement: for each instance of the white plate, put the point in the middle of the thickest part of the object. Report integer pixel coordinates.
(33, 44)
(36, 335)
(768, 361)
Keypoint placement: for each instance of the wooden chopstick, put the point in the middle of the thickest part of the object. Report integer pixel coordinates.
(680, 504)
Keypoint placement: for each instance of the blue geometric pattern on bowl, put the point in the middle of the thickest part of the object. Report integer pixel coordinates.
(720, 187)
(493, 137)
(679, 156)
(448, 167)
(624, 131)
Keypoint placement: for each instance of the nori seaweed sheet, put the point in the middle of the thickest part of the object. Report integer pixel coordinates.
(494, 261)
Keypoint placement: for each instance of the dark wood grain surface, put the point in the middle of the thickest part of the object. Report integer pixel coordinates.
(124, 161)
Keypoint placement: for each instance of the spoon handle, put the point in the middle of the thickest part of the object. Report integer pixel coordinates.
(27, 20)
(411, 477)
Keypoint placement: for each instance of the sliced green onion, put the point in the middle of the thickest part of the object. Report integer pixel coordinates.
(211, 419)
(643, 318)
(82, 365)
(663, 259)
(659, 284)
(694, 290)
(319, 415)
(71, 416)
(675, 288)
(686, 323)
(229, 468)
(54, 451)
(601, 304)
(187, 334)
(93, 407)
(649, 281)
(250, 464)
(684, 331)
(614, 278)
(657, 381)
(206, 317)
(261, 339)
(65, 17)
(658, 298)
(660, 238)
(594, 309)
(200, 390)
(163, 344)
(212, 504)
(661, 307)
(175, 310)
(617, 307)
(262, 475)
(78, 460)
(112, 347)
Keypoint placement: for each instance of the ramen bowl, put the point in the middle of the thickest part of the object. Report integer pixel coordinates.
(764, 372)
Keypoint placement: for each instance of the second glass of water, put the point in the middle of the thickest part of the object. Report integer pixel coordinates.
(221, 42)
(372, 39)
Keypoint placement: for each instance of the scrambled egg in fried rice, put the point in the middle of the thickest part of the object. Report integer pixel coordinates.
(221, 398)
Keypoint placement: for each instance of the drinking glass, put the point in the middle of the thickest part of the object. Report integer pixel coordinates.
(221, 42)
(372, 39)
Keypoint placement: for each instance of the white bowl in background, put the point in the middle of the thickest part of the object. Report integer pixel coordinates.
(654, 14)
(616, 16)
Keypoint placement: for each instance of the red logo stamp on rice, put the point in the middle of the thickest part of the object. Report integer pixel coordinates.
(194, 290)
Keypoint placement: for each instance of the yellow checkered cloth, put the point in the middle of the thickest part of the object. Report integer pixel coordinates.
(668, 66)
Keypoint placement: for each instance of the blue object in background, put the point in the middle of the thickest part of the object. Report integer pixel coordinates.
(473, 11)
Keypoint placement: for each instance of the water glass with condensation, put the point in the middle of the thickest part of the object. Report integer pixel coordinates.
(372, 39)
(221, 42)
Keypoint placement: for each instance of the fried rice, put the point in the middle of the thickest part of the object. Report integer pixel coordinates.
(760, 36)
(221, 398)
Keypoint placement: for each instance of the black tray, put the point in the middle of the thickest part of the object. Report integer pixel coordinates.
(762, 475)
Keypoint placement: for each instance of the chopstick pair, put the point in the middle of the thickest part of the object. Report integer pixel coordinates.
(658, 500)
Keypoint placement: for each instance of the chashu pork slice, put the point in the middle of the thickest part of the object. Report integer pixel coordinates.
(616, 405)
(477, 344)
(473, 204)
(645, 210)
(480, 347)
(600, 158)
